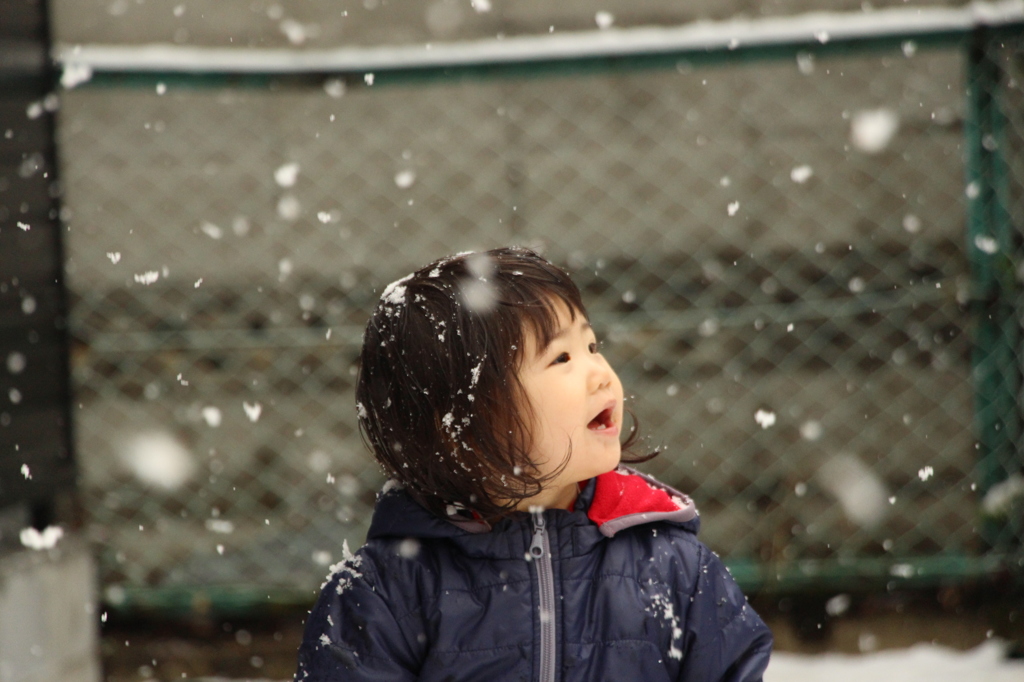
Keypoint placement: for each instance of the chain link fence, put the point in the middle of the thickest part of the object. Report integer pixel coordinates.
(777, 252)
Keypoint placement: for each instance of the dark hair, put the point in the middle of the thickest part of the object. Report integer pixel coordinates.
(439, 399)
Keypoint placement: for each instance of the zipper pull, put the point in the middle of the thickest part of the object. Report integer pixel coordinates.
(537, 546)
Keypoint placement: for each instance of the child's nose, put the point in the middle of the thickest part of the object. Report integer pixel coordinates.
(600, 374)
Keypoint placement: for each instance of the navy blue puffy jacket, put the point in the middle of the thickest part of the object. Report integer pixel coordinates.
(545, 596)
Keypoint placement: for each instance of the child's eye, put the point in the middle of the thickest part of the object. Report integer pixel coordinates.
(594, 347)
(562, 358)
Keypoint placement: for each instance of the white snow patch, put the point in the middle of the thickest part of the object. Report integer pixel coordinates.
(708, 327)
(811, 430)
(805, 63)
(75, 74)
(394, 293)
(148, 277)
(911, 223)
(220, 526)
(391, 484)
(409, 548)
(16, 362)
(212, 416)
(801, 174)
(696, 35)
(986, 244)
(766, 418)
(604, 20)
(345, 570)
(289, 208)
(252, 411)
(872, 130)
(479, 295)
(1000, 497)
(837, 605)
(47, 539)
(334, 87)
(157, 458)
(902, 570)
(404, 179)
(211, 230)
(985, 663)
(858, 489)
(287, 174)
(297, 32)
(664, 607)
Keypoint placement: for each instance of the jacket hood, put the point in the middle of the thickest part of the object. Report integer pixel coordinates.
(625, 497)
(613, 502)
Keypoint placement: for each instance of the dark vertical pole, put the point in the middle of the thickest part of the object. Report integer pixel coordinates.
(35, 429)
(994, 248)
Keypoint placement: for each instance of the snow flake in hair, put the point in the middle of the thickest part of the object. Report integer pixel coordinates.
(394, 293)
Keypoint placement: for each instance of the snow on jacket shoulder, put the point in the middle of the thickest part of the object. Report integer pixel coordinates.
(617, 589)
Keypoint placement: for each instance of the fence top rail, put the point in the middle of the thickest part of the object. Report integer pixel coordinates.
(700, 37)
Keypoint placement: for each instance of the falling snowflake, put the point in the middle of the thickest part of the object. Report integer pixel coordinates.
(766, 418)
(252, 411)
(986, 244)
(801, 174)
(871, 130)
(222, 526)
(286, 175)
(212, 416)
(47, 539)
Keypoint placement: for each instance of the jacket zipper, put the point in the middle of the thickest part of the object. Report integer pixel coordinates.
(540, 553)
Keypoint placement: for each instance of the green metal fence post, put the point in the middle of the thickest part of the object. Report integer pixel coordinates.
(993, 251)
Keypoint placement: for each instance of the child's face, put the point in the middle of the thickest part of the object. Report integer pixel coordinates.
(577, 405)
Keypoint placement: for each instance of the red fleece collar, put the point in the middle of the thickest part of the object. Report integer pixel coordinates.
(617, 494)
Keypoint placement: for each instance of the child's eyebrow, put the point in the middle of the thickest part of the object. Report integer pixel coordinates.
(583, 324)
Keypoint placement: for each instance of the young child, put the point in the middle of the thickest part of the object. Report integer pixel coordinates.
(509, 543)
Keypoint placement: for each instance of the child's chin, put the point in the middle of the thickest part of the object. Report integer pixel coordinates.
(612, 463)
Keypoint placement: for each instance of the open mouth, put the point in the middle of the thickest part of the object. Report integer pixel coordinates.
(602, 421)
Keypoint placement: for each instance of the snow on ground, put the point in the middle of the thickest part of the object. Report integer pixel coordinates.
(919, 663)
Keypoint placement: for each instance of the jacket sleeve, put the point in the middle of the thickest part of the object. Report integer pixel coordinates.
(352, 633)
(724, 639)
